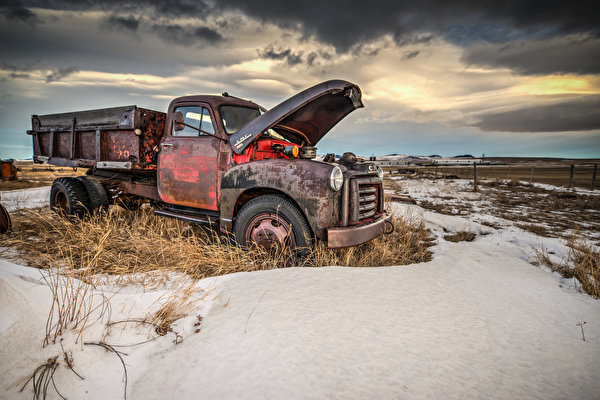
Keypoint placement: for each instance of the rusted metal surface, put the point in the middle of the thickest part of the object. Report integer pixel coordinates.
(305, 182)
(129, 183)
(5, 222)
(9, 171)
(188, 166)
(82, 139)
(312, 113)
(355, 235)
(211, 176)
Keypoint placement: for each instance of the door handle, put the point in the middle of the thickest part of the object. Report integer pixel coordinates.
(166, 145)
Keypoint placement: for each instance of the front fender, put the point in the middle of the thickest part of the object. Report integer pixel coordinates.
(306, 182)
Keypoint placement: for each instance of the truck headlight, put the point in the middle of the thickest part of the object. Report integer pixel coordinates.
(379, 173)
(336, 179)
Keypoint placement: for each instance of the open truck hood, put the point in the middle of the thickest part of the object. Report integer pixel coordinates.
(312, 112)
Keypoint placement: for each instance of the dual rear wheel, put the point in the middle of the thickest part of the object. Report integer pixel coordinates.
(77, 196)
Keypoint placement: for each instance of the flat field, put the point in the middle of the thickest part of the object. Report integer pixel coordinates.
(31, 175)
(551, 172)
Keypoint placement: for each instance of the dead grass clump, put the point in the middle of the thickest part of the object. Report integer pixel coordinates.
(582, 262)
(41, 379)
(408, 244)
(74, 303)
(461, 236)
(539, 230)
(128, 245)
(585, 266)
(132, 246)
(178, 304)
(440, 208)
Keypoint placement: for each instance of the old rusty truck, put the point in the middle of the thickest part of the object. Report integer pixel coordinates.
(223, 161)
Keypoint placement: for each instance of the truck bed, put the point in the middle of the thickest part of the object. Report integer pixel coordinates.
(125, 137)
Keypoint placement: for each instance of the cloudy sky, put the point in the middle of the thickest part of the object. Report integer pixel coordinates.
(504, 78)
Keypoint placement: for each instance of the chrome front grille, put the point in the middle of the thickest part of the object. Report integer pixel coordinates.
(367, 201)
(363, 199)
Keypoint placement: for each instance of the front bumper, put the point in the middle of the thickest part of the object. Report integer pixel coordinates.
(354, 235)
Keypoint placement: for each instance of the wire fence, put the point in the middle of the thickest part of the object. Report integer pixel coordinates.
(569, 175)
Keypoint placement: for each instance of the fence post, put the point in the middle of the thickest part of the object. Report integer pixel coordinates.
(571, 176)
(508, 177)
(594, 176)
(531, 176)
(474, 177)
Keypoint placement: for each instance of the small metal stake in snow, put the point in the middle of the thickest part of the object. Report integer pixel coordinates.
(581, 324)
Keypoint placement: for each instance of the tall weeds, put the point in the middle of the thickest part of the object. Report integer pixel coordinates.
(136, 245)
(75, 304)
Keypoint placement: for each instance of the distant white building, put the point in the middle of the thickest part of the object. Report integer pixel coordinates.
(457, 161)
(391, 163)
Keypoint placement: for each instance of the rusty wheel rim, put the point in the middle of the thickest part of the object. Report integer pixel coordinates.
(60, 201)
(270, 232)
(4, 220)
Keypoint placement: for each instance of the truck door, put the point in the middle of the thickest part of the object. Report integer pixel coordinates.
(188, 160)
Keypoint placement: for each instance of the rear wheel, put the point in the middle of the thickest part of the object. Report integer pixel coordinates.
(96, 192)
(69, 196)
(274, 223)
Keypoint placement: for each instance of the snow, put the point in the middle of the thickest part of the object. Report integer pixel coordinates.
(25, 198)
(478, 321)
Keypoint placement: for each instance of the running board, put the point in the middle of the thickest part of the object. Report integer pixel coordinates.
(197, 218)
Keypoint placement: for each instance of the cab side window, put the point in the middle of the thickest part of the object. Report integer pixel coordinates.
(197, 121)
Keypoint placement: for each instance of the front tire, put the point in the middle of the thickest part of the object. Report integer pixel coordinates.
(69, 196)
(274, 223)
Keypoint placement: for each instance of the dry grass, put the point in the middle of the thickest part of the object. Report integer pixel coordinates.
(74, 303)
(461, 236)
(41, 379)
(582, 262)
(141, 247)
(408, 244)
(176, 305)
(585, 266)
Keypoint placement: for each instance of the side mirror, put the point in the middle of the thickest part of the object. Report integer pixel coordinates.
(178, 121)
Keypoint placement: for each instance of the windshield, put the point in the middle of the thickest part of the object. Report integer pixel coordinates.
(235, 117)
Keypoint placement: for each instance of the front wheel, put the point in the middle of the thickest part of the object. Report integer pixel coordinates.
(274, 223)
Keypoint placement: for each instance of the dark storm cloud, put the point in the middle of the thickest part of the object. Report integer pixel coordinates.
(19, 69)
(581, 114)
(60, 73)
(291, 58)
(186, 35)
(15, 10)
(23, 71)
(129, 23)
(180, 8)
(344, 23)
(577, 54)
(410, 54)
